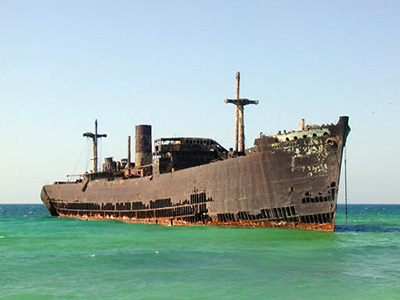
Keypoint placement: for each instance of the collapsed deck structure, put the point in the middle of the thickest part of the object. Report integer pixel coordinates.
(287, 180)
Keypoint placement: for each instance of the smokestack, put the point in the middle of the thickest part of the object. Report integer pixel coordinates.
(129, 152)
(143, 155)
(302, 124)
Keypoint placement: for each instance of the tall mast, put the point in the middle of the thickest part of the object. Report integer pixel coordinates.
(239, 119)
(95, 136)
(237, 111)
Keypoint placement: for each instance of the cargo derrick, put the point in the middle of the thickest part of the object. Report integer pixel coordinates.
(288, 180)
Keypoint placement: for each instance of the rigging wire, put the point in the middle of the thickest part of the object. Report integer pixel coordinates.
(87, 157)
(345, 183)
(80, 157)
(101, 155)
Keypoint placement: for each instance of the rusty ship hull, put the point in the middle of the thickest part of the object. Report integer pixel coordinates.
(287, 180)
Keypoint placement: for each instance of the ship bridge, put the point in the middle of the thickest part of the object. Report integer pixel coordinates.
(172, 154)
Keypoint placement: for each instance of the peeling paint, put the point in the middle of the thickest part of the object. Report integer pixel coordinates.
(281, 184)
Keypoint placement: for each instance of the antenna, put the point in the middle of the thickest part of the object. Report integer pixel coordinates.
(345, 183)
(239, 119)
(95, 136)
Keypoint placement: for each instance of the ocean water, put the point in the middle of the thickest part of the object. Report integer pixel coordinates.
(43, 257)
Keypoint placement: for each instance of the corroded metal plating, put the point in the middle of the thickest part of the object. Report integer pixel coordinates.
(287, 180)
(329, 227)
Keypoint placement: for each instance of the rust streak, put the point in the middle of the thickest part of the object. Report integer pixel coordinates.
(329, 227)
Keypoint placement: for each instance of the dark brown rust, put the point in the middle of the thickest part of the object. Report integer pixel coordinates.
(288, 180)
(239, 103)
(238, 224)
(143, 145)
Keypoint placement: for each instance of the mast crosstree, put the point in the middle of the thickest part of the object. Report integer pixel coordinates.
(239, 119)
(95, 136)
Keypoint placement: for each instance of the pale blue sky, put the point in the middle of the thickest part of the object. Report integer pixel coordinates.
(172, 63)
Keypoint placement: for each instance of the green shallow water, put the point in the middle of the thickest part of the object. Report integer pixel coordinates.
(43, 257)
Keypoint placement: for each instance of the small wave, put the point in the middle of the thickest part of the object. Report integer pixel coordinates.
(364, 228)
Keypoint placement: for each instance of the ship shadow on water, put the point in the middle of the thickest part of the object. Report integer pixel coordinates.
(364, 228)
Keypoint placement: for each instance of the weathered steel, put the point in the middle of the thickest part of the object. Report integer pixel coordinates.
(94, 136)
(240, 103)
(287, 180)
(128, 165)
(237, 112)
(239, 115)
(143, 145)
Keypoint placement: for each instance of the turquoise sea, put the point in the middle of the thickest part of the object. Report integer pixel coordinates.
(43, 257)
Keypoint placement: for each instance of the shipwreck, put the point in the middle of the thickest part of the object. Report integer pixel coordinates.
(287, 180)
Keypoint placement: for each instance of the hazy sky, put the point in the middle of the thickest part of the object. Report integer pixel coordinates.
(171, 64)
